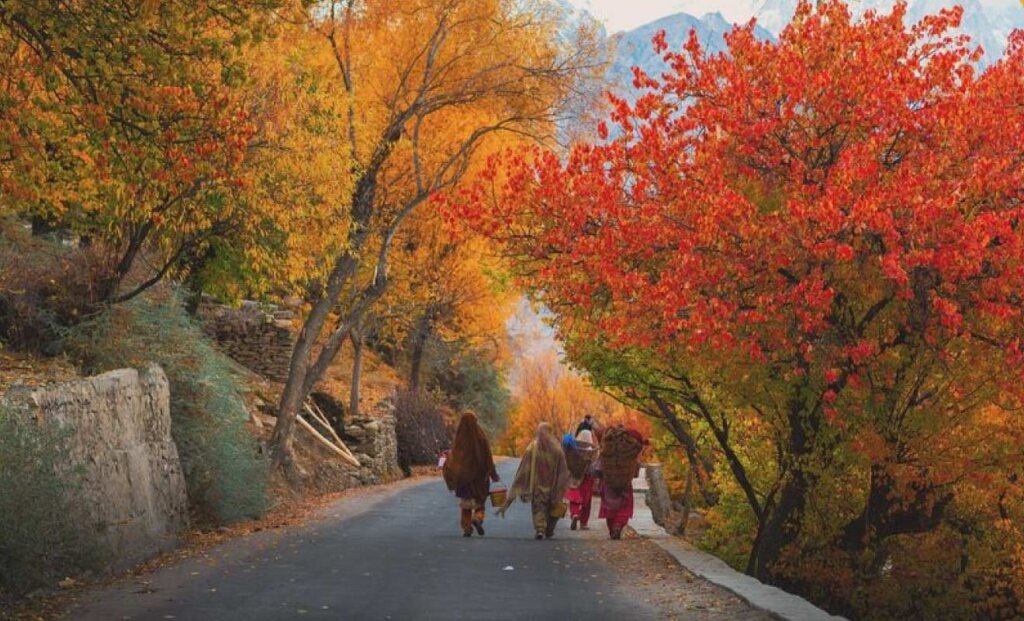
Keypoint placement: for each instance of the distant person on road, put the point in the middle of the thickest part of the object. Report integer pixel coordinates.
(617, 466)
(542, 478)
(580, 460)
(586, 424)
(468, 471)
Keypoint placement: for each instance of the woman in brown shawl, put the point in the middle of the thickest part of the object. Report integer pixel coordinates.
(467, 470)
(542, 478)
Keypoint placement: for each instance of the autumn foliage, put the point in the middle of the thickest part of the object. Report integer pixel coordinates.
(548, 392)
(127, 127)
(271, 150)
(805, 256)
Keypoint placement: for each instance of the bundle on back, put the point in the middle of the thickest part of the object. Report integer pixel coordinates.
(619, 450)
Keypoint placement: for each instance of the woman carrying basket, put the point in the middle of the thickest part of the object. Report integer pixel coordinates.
(617, 467)
(542, 478)
(580, 459)
(467, 470)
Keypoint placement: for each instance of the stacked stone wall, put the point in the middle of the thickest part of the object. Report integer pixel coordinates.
(374, 443)
(259, 337)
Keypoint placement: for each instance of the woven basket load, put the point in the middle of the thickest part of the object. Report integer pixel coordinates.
(619, 450)
(574, 458)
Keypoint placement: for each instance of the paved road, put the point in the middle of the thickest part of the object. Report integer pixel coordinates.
(403, 558)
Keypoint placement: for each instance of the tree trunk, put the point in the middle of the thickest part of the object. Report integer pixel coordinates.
(889, 512)
(298, 370)
(701, 466)
(419, 348)
(781, 527)
(304, 370)
(357, 373)
(124, 265)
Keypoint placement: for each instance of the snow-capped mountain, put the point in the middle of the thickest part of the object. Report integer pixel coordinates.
(988, 23)
(633, 48)
(573, 18)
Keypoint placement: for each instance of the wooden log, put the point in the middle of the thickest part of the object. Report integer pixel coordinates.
(318, 415)
(346, 457)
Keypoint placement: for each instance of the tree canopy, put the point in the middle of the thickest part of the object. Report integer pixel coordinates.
(811, 249)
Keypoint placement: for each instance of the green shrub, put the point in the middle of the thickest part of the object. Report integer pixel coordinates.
(224, 471)
(472, 381)
(39, 540)
(468, 378)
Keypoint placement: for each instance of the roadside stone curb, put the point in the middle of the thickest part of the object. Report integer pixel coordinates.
(772, 600)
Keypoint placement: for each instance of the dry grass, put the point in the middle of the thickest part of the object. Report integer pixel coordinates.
(22, 368)
(379, 380)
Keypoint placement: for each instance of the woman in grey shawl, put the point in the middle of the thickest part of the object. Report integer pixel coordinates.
(542, 478)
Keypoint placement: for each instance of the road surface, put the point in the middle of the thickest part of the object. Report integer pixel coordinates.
(390, 554)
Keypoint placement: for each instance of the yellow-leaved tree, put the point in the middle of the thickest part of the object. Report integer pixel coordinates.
(295, 172)
(446, 286)
(429, 87)
(546, 391)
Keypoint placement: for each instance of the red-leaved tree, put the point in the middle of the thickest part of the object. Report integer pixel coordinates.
(822, 234)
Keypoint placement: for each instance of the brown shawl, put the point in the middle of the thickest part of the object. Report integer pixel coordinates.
(542, 469)
(470, 464)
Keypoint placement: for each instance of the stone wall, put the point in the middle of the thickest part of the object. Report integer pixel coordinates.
(372, 440)
(657, 497)
(133, 492)
(259, 337)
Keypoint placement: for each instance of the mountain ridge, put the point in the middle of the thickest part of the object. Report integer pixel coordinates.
(988, 24)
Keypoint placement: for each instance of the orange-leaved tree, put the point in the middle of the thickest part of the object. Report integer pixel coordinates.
(447, 286)
(446, 299)
(289, 180)
(546, 391)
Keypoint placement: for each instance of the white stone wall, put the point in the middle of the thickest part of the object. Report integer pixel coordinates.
(133, 494)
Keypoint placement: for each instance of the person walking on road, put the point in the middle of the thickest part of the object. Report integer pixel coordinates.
(468, 471)
(542, 478)
(580, 460)
(617, 467)
(587, 424)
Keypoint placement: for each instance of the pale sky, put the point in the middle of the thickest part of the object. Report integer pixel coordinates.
(628, 14)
